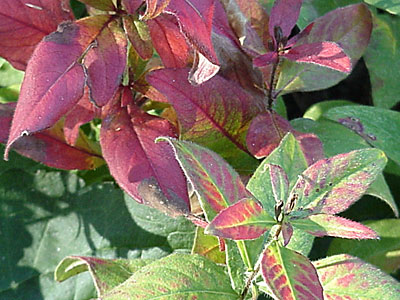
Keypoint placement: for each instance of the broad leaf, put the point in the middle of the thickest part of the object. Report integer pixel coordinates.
(328, 225)
(290, 275)
(388, 5)
(284, 14)
(244, 220)
(214, 180)
(189, 276)
(384, 253)
(203, 113)
(139, 36)
(382, 133)
(51, 89)
(24, 23)
(347, 277)
(331, 185)
(145, 170)
(208, 246)
(106, 273)
(106, 5)
(132, 5)
(315, 112)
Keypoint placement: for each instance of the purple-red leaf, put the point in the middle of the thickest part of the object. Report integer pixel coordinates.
(140, 42)
(49, 146)
(244, 220)
(287, 232)
(154, 8)
(328, 225)
(146, 170)
(132, 5)
(54, 79)
(290, 275)
(266, 59)
(23, 24)
(106, 63)
(326, 54)
(284, 14)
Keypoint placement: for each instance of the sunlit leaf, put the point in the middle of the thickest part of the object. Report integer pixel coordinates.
(106, 5)
(139, 36)
(208, 246)
(390, 6)
(284, 14)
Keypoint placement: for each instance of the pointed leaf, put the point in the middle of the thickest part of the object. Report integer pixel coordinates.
(204, 111)
(284, 14)
(347, 277)
(145, 170)
(279, 182)
(215, 181)
(208, 246)
(326, 54)
(289, 274)
(106, 5)
(51, 89)
(154, 8)
(139, 36)
(331, 185)
(328, 225)
(287, 233)
(175, 276)
(22, 26)
(244, 220)
(106, 63)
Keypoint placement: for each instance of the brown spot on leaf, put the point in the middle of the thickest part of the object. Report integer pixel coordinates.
(65, 34)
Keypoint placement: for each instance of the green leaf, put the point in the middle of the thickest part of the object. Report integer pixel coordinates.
(316, 111)
(381, 59)
(237, 269)
(289, 274)
(177, 276)
(106, 273)
(331, 185)
(10, 76)
(347, 277)
(382, 132)
(208, 246)
(384, 253)
(391, 6)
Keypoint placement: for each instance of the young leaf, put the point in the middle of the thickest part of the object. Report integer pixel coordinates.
(347, 277)
(208, 246)
(153, 8)
(24, 23)
(244, 220)
(284, 15)
(106, 5)
(189, 276)
(331, 185)
(51, 89)
(139, 36)
(215, 181)
(289, 274)
(279, 183)
(203, 112)
(328, 225)
(145, 170)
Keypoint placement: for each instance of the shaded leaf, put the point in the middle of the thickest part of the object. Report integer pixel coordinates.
(279, 183)
(289, 274)
(208, 246)
(315, 112)
(24, 23)
(236, 267)
(204, 112)
(139, 36)
(131, 5)
(106, 5)
(244, 220)
(284, 14)
(331, 185)
(329, 225)
(51, 89)
(214, 180)
(287, 233)
(388, 5)
(347, 277)
(176, 274)
(384, 253)
(145, 170)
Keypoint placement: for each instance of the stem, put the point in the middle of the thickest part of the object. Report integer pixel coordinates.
(272, 84)
(249, 281)
(243, 253)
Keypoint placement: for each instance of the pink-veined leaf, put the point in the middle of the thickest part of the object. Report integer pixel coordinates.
(244, 220)
(132, 5)
(106, 5)
(329, 225)
(139, 36)
(49, 146)
(23, 24)
(326, 54)
(345, 277)
(279, 182)
(54, 79)
(203, 112)
(214, 180)
(169, 43)
(146, 170)
(284, 14)
(290, 275)
(331, 185)
(106, 63)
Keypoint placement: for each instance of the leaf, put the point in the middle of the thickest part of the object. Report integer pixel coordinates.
(51, 90)
(347, 277)
(106, 5)
(244, 220)
(279, 183)
(382, 133)
(384, 253)
(284, 14)
(388, 5)
(106, 273)
(106, 63)
(145, 170)
(289, 274)
(328, 225)
(215, 181)
(22, 26)
(208, 246)
(154, 8)
(203, 113)
(132, 5)
(47, 146)
(139, 36)
(315, 111)
(331, 185)
(190, 276)
(8, 75)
